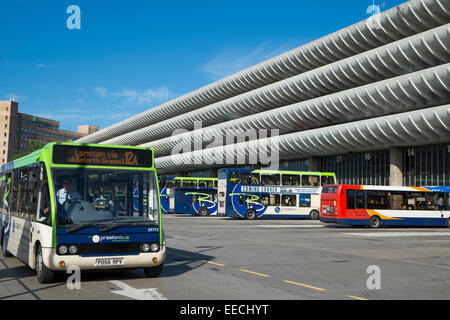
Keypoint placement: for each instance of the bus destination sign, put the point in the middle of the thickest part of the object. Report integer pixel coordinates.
(98, 156)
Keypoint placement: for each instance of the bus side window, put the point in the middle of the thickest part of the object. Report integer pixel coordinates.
(310, 181)
(290, 180)
(288, 200)
(270, 179)
(396, 201)
(305, 200)
(274, 199)
(377, 199)
(327, 180)
(33, 188)
(440, 202)
(265, 199)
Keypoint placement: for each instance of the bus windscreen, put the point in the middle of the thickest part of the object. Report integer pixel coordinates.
(98, 156)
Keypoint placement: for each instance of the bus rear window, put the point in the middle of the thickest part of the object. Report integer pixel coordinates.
(329, 189)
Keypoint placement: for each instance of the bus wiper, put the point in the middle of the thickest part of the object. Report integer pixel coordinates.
(126, 224)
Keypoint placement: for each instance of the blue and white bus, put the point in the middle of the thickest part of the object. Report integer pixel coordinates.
(169, 193)
(253, 194)
(196, 201)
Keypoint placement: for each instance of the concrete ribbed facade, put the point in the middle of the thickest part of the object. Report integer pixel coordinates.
(359, 89)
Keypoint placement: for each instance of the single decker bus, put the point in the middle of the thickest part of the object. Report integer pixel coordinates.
(92, 206)
(377, 206)
(190, 195)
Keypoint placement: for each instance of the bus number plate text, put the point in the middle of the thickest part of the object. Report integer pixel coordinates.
(109, 262)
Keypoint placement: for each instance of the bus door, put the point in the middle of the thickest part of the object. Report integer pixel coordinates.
(442, 201)
(356, 202)
(360, 202)
(171, 195)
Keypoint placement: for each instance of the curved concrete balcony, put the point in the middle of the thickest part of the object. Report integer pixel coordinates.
(414, 53)
(417, 90)
(431, 125)
(402, 21)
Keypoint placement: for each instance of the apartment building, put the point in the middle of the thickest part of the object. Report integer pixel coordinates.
(18, 130)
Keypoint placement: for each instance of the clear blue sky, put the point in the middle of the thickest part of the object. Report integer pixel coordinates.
(131, 55)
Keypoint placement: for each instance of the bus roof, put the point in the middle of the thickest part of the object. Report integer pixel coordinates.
(195, 178)
(268, 171)
(399, 188)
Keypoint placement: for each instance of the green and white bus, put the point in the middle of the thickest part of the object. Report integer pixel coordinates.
(92, 206)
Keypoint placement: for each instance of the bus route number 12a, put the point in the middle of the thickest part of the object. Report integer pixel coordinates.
(130, 159)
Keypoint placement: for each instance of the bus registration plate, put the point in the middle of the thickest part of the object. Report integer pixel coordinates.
(109, 262)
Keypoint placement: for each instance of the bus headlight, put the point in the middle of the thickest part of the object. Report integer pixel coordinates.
(154, 247)
(62, 250)
(145, 247)
(73, 249)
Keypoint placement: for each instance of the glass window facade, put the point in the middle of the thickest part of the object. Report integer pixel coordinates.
(370, 168)
(427, 165)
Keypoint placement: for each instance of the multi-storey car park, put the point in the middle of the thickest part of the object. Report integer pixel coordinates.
(369, 102)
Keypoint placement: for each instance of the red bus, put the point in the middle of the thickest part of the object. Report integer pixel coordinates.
(377, 206)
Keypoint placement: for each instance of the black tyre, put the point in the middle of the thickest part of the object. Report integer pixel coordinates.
(153, 272)
(250, 214)
(44, 274)
(314, 215)
(4, 251)
(203, 212)
(448, 223)
(374, 222)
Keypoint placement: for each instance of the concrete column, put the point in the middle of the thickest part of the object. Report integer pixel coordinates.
(396, 167)
(313, 164)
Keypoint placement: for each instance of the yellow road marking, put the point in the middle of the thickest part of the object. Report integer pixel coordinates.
(256, 273)
(357, 298)
(304, 285)
(215, 263)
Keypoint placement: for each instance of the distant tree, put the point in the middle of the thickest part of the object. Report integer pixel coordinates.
(33, 146)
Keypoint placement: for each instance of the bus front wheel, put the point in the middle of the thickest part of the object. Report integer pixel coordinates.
(44, 274)
(374, 222)
(153, 272)
(250, 214)
(448, 223)
(314, 215)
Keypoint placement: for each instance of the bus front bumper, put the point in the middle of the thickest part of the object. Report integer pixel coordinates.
(61, 262)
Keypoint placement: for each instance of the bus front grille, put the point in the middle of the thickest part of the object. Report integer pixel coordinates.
(109, 249)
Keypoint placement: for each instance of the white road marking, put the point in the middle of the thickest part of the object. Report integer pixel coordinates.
(137, 294)
(398, 234)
